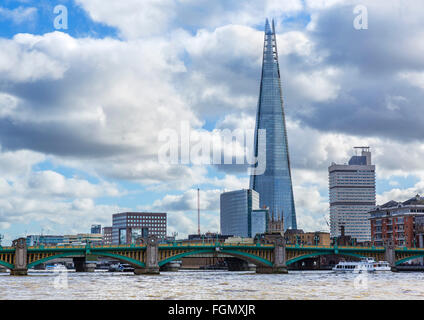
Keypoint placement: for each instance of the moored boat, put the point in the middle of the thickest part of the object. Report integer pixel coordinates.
(365, 265)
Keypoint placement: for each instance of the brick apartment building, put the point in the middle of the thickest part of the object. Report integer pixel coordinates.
(402, 222)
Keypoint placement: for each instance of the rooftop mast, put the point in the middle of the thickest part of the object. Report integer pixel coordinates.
(198, 211)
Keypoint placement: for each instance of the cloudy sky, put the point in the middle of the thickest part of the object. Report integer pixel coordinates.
(82, 109)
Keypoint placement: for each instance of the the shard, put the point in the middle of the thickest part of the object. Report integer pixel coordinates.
(274, 185)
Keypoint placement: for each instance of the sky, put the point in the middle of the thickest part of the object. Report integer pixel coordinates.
(84, 105)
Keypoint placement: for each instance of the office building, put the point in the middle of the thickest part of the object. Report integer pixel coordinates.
(107, 236)
(96, 228)
(128, 226)
(400, 222)
(46, 240)
(352, 196)
(274, 184)
(83, 238)
(240, 213)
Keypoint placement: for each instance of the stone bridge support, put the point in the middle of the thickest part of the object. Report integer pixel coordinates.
(20, 263)
(390, 255)
(236, 264)
(152, 257)
(279, 263)
(81, 265)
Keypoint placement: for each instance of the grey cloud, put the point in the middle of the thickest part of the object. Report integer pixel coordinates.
(371, 61)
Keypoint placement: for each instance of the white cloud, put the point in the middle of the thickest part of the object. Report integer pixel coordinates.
(19, 14)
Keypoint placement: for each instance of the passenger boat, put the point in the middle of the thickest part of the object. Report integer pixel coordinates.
(365, 265)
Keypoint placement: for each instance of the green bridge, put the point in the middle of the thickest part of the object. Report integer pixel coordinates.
(147, 258)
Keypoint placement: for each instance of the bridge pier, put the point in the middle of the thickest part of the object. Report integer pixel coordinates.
(236, 264)
(81, 265)
(390, 255)
(152, 258)
(21, 252)
(279, 263)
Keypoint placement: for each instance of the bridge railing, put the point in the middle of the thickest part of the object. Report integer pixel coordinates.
(214, 244)
(6, 248)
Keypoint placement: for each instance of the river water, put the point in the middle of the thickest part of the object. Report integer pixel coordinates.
(222, 285)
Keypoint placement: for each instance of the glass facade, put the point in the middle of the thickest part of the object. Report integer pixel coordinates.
(275, 184)
(259, 220)
(240, 214)
(36, 240)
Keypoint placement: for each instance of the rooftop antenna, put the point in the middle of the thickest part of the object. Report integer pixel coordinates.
(363, 148)
(198, 211)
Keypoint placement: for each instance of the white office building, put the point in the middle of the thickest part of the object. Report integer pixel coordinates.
(352, 196)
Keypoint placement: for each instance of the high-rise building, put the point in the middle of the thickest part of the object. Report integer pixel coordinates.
(275, 184)
(241, 215)
(352, 196)
(128, 226)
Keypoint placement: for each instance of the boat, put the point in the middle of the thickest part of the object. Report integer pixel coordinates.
(52, 266)
(120, 268)
(365, 265)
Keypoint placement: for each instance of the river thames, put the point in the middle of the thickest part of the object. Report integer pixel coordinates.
(219, 285)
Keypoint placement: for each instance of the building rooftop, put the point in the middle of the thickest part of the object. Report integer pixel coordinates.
(417, 200)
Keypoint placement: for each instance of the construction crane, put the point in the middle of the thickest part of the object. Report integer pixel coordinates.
(198, 211)
(326, 222)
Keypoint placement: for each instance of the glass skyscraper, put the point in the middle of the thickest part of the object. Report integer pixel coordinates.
(240, 214)
(275, 184)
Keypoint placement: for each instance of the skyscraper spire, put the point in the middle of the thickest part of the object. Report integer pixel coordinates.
(274, 185)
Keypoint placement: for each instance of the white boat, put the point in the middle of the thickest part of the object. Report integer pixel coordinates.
(365, 265)
(52, 266)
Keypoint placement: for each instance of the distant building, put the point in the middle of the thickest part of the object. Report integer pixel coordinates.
(207, 237)
(300, 237)
(83, 238)
(128, 226)
(276, 225)
(240, 213)
(46, 240)
(96, 228)
(345, 240)
(107, 236)
(352, 196)
(401, 222)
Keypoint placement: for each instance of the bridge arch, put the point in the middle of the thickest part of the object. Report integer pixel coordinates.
(233, 253)
(133, 262)
(56, 256)
(6, 264)
(316, 254)
(398, 262)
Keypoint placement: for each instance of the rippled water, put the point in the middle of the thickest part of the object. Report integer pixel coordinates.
(212, 285)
